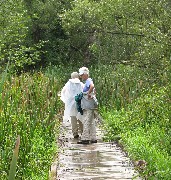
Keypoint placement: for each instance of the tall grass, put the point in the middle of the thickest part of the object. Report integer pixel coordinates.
(30, 101)
(118, 86)
(141, 119)
(28, 106)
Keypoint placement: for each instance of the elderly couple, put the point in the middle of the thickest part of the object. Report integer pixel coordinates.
(85, 122)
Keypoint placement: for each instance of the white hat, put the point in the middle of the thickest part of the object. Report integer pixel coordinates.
(83, 70)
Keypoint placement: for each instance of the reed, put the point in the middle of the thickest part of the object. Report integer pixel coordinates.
(117, 86)
(28, 108)
(12, 171)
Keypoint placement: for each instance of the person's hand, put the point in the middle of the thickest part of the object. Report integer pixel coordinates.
(89, 96)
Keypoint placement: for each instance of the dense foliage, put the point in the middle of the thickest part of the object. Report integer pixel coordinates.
(31, 32)
(29, 107)
(114, 32)
(40, 32)
(137, 115)
(144, 131)
(125, 44)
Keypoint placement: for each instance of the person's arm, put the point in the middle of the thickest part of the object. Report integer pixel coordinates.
(90, 90)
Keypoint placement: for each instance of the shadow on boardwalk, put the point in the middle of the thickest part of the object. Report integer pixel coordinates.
(99, 161)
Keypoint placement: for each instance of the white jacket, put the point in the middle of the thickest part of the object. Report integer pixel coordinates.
(68, 93)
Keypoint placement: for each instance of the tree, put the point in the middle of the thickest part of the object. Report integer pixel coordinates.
(134, 32)
(46, 26)
(14, 27)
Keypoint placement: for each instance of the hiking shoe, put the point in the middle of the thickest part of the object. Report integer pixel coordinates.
(83, 142)
(93, 141)
(76, 136)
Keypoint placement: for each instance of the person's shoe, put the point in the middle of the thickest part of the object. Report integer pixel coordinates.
(76, 136)
(93, 141)
(83, 142)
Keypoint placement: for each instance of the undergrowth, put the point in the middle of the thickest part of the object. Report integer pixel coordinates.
(145, 131)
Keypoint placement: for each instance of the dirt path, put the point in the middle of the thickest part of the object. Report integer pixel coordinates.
(99, 161)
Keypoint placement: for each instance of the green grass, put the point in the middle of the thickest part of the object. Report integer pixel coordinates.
(28, 107)
(145, 131)
(135, 111)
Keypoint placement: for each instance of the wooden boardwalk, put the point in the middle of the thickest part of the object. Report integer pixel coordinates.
(99, 161)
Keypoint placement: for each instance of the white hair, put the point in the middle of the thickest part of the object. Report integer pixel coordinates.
(83, 70)
(74, 75)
